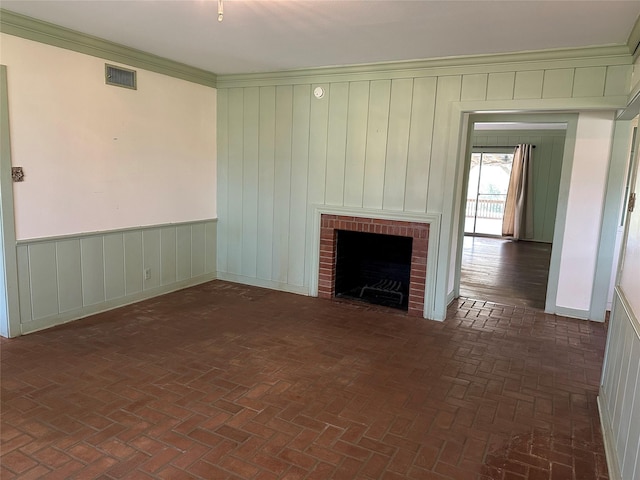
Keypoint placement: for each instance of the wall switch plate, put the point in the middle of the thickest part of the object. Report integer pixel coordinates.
(17, 174)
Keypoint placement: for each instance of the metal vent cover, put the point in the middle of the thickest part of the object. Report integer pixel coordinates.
(120, 77)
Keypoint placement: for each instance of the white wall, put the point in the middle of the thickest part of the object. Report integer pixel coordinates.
(100, 157)
(119, 198)
(584, 210)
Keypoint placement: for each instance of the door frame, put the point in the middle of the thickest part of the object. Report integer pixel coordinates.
(10, 306)
(571, 119)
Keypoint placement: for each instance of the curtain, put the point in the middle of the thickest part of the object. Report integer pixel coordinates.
(518, 209)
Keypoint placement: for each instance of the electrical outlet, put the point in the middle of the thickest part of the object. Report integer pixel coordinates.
(147, 273)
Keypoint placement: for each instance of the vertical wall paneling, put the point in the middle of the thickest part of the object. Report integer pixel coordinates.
(183, 257)
(336, 143)
(222, 187)
(211, 247)
(539, 171)
(168, 260)
(299, 172)
(250, 166)
(474, 87)
(92, 253)
(420, 140)
(44, 281)
(318, 120)
(114, 274)
(356, 143)
(198, 250)
(395, 175)
(24, 283)
(386, 140)
(589, 81)
(558, 83)
(448, 91)
(377, 131)
(282, 186)
(151, 257)
(69, 274)
(553, 183)
(619, 396)
(318, 131)
(528, 84)
(617, 81)
(500, 86)
(266, 176)
(65, 278)
(234, 195)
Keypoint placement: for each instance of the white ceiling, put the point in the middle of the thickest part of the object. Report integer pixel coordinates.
(274, 35)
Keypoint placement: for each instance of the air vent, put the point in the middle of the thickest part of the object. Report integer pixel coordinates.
(120, 77)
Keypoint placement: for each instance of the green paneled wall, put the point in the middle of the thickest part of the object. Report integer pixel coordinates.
(66, 278)
(547, 166)
(379, 141)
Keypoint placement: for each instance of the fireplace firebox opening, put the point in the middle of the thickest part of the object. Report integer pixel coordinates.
(418, 232)
(374, 268)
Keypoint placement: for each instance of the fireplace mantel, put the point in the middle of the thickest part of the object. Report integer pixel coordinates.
(379, 217)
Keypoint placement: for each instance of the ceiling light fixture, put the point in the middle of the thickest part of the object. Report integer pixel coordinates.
(220, 10)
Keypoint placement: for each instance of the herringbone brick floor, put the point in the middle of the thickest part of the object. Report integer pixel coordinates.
(224, 381)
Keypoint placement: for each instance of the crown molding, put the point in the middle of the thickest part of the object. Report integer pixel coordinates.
(606, 55)
(31, 29)
(47, 33)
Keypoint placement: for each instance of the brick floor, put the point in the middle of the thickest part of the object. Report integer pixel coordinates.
(224, 381)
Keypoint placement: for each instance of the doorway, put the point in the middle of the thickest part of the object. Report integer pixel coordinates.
(493, 268)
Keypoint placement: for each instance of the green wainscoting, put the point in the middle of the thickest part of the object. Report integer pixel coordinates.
(384, 138)
(66, 278)
(620, 392)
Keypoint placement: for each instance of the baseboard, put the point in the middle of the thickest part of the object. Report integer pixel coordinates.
(451, 297)
(607, 434)
(259, 282)
(574, 313)
(77, 314)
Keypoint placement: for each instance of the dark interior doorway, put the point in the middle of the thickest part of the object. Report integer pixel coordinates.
(374, 268)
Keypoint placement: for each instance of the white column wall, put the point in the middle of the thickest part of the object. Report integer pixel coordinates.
(584, 210)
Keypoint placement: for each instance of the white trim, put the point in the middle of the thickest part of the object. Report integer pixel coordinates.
(433, 310)
(10, 303)
(458, 144)
(102, 233)
(574, 313)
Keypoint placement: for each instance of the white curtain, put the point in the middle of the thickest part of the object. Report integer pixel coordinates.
(518, 209)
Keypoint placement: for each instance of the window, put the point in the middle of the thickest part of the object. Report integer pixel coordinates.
(489, 175)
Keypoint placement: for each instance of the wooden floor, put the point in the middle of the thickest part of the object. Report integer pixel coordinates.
(502, 271)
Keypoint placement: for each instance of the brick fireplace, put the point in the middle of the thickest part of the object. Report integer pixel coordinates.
(419, 232)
